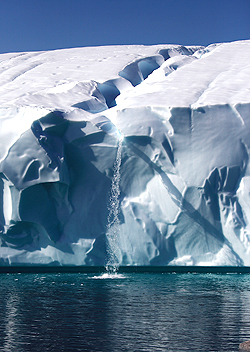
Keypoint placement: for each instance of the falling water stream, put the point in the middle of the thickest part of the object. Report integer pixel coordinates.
(112, 234)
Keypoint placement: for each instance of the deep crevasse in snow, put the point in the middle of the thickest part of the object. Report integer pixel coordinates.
(184, 113)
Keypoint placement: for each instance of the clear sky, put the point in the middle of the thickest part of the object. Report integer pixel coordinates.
(28, 25)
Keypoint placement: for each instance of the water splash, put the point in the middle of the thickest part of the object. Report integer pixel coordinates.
(108, 275)
(112, 234)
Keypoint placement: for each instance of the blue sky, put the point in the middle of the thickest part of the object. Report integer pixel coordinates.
(28, 25)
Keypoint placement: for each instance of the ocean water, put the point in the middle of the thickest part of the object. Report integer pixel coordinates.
(124, 312)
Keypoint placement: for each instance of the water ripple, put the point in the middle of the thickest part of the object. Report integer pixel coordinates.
(132, 312)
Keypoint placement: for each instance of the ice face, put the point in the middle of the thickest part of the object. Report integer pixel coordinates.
(183, 117)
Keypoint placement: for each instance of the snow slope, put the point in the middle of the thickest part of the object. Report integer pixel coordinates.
(184, 113)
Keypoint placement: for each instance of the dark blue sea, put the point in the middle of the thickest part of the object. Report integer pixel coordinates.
(124, 312)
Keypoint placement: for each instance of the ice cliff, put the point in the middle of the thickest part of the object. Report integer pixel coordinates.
(184, 114)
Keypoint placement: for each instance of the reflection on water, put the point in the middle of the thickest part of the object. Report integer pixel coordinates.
(131, 312)
(11, 323)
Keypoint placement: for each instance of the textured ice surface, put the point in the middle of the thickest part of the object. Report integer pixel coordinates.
(184, 113)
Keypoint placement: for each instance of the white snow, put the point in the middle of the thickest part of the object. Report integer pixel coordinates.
(184, 113)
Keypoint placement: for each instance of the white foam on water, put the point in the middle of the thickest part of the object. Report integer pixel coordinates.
(109, 276)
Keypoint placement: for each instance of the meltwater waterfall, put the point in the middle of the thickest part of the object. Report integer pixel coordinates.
(112, 234)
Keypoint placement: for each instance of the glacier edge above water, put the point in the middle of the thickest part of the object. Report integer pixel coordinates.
(184, 113)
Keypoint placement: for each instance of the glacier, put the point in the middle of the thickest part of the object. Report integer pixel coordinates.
(184, 117)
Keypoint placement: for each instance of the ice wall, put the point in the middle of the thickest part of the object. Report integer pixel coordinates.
(184, 113)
